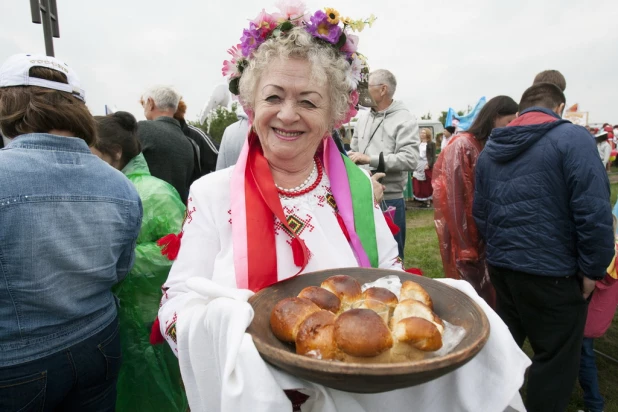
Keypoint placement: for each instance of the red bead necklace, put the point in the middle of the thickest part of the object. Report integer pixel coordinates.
(308, 188)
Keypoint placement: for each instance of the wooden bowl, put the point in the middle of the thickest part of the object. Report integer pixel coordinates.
(450, 304)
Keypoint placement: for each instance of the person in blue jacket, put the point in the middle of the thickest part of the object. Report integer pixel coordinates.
(542, 205)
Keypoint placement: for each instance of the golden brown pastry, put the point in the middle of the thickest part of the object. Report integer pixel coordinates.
(288, 314)
(316, 336)
(346, 288)
(412, 290)
(375, 305)
(362, 333)
(413, 308)
(418, 332)
(323, 298)
(382, 295)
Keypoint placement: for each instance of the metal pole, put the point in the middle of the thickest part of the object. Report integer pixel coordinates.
(54, 19)
(47, 27)
(35, 10)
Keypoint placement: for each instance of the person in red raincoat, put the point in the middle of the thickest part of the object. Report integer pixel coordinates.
(462, 249)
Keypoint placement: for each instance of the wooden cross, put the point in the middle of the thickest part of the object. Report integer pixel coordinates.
(49, 18)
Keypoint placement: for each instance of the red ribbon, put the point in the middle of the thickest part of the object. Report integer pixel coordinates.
(262, 202)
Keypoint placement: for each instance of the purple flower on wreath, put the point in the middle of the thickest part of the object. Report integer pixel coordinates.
(250, 40)
(320, 27)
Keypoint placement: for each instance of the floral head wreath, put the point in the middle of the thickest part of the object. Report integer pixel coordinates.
(328, 26)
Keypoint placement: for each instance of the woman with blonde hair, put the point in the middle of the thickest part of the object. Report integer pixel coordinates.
(291, 205)
(421, 178)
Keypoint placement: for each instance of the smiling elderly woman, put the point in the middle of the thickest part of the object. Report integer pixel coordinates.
(292, 204)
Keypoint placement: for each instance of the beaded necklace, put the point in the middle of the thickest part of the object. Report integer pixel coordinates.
(303, 188)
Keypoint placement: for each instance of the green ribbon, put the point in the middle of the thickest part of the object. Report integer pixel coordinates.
(362, 205)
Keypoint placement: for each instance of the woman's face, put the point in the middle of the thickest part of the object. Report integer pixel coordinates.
(423, 135)
(502, 121)
(292, 112)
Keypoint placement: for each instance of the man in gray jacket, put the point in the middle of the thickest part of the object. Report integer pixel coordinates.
(386, 139)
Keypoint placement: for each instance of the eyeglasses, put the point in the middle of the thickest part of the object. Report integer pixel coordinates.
(377, 85)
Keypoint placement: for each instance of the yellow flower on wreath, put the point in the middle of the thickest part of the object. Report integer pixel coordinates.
(371, 20)
(332, 15)
(357, 25)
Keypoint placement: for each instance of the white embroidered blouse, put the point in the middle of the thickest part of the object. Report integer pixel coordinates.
(207, 249)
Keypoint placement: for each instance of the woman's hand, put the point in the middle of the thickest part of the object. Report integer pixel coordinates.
(427, 167)
(378, 188)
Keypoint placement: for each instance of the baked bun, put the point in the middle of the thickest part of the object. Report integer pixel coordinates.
(323, 298)
(418, 332)
(381, 295)
(288, 314)
(412, 290)
(316, 336)
(346, 288)
(413, 308)
(362, 333)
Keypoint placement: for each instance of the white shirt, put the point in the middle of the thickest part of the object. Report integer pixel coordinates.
(207, 249)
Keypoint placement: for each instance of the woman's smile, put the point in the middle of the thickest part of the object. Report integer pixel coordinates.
(287, 135)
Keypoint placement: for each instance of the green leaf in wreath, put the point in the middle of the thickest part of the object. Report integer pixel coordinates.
(342, 40)
(286, 25)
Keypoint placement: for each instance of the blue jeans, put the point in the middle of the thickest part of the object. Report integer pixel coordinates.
(588, 377)
(400, 221)
(80, 378)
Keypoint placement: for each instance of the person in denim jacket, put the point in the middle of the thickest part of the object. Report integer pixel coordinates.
(68, 227)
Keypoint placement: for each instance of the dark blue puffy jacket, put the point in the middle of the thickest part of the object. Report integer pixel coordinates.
(541, 199)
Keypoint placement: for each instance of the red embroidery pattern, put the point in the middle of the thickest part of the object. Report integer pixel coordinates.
(229, 212)
(188, 213)
(296, 223)
(189, 217)
(171, 329)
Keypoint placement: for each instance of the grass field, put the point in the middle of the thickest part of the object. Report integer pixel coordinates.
(422, 252)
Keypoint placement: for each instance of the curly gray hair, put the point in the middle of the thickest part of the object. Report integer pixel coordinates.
(328, 66)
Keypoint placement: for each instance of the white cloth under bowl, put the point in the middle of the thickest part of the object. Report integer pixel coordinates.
(223, 371)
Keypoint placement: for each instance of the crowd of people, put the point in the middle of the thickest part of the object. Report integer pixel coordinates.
(117, 235)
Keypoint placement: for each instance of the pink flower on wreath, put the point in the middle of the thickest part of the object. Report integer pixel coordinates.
(230, 67)
(351, 44)
(266, 23)
(250, 40)
(235, 52)
(291, 9)
(354, 98)
(351, 108)
(320, 27)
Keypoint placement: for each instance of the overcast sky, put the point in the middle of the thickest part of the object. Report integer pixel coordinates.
(443, 52)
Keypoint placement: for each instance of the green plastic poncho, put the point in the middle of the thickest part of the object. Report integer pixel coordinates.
(149, 379)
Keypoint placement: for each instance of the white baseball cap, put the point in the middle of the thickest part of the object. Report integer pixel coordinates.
(16, 72)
